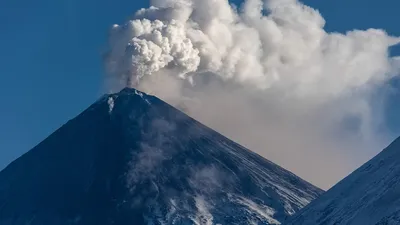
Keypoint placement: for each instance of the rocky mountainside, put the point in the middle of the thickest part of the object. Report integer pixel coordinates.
(131, 158)
(369, 196)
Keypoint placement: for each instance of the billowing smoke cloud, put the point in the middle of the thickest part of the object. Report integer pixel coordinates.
(267, 75)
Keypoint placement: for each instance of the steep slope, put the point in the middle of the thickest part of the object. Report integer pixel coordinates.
(133, 159)
(369, 196)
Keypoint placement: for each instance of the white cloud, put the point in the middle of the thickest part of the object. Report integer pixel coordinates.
(277, 82)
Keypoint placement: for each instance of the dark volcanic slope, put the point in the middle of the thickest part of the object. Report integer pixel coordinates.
(133, 159)
(369, 196)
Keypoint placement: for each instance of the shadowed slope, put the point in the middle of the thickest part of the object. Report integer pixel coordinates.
(133, 159)
(369, 196)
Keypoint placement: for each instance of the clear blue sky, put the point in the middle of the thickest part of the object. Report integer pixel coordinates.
(50, 58)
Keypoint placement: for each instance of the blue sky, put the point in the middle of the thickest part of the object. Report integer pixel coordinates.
(50, 58)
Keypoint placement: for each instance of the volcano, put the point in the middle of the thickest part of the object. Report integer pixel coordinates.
(131, 158)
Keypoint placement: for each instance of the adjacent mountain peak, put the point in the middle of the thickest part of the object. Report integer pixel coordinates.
(131, 158)
(368, 196)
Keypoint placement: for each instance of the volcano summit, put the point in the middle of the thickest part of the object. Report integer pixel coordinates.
(130, 158)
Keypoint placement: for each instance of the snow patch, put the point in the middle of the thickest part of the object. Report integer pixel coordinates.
(140, 94)
(111, 104)
(262, 212)
(203, 215)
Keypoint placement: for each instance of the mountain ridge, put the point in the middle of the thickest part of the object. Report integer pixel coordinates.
(132, 157)
(368, 196)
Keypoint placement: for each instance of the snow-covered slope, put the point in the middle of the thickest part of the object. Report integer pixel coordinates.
(133, 159)
(369, 196)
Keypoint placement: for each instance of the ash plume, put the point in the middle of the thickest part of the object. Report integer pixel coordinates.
(265, 74)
